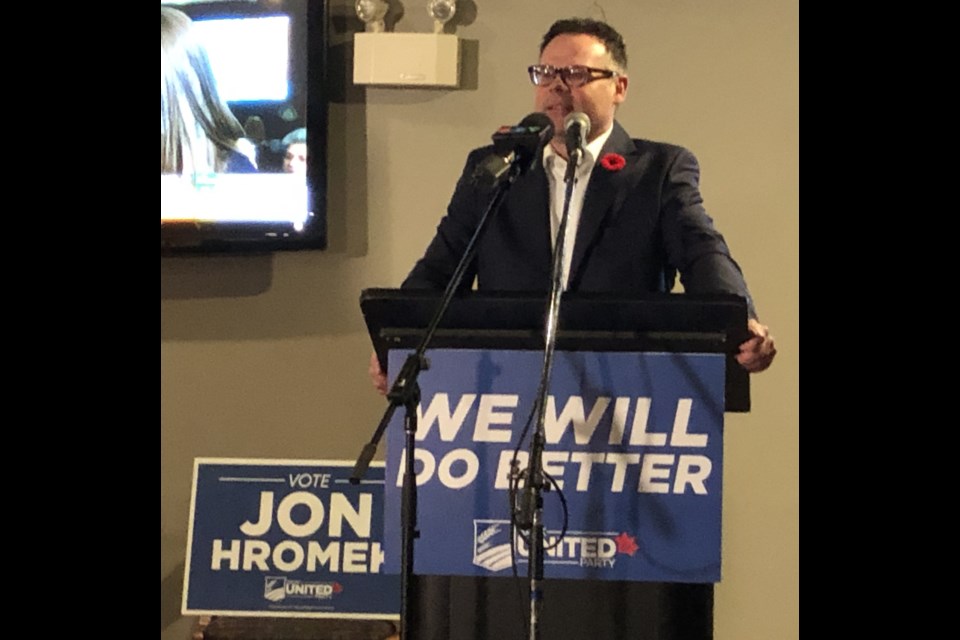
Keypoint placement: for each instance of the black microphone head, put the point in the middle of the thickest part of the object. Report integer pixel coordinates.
(519, 146)
(540, 121)
(526, 139)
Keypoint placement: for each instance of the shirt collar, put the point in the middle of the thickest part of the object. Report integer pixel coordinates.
(591, 151)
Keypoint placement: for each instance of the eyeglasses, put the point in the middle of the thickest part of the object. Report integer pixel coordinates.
(574, 77)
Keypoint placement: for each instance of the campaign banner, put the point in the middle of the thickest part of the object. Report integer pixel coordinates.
(633, 445)
(287, 538)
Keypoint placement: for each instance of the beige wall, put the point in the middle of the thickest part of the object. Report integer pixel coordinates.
(266, 356)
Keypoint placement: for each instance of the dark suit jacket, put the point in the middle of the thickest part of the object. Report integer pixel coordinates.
(639, 227)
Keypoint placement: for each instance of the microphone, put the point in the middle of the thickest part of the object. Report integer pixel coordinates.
(521, 144)
(576, 128)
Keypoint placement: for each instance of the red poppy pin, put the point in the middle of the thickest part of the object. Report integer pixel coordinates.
(613, 162)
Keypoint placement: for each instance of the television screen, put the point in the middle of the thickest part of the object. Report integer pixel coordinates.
(242, 126)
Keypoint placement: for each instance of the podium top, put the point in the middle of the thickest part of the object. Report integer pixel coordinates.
(709, 323)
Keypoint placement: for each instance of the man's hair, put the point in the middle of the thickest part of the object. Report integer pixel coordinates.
(603, 32)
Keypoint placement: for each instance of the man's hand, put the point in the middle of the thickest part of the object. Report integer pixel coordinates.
(756, 354)
(377, 375)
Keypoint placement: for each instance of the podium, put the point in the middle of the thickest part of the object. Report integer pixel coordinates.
(643, 568)
(714, 323)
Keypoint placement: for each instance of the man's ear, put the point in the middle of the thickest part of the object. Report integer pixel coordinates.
(622, 82)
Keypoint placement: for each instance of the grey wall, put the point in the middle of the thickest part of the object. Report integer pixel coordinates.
(265, 357)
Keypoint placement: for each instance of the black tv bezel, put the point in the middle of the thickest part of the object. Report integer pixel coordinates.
(223, 238)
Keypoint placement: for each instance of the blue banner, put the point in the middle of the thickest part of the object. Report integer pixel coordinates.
(634, 447)
(287, 538)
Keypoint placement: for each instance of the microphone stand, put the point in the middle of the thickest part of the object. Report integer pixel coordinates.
(405, 392)
(531, 514)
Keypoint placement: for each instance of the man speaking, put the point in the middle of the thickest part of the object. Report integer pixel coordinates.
(636, 221)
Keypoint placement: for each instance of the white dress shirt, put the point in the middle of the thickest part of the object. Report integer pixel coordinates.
(556, 169)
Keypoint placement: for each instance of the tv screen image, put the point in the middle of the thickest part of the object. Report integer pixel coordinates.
(247, 73)
(243, 124)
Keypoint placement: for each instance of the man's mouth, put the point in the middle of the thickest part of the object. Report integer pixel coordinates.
(559, 109)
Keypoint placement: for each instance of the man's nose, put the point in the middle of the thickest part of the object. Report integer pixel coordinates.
(559, 85)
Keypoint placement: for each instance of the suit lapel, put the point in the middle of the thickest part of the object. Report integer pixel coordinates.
(530, 203)
(605, 194)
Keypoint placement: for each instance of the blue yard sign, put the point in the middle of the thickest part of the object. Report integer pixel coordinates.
(287, 538)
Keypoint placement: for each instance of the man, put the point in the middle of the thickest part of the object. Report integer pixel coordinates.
(631, 228)
(636, 220)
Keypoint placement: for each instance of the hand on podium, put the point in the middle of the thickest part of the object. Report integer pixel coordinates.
(377, 376)
(756, 354)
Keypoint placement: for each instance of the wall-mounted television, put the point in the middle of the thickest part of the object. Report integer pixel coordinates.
(243, 120)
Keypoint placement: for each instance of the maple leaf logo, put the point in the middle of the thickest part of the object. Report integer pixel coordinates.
(337, 587)
(626, 544)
